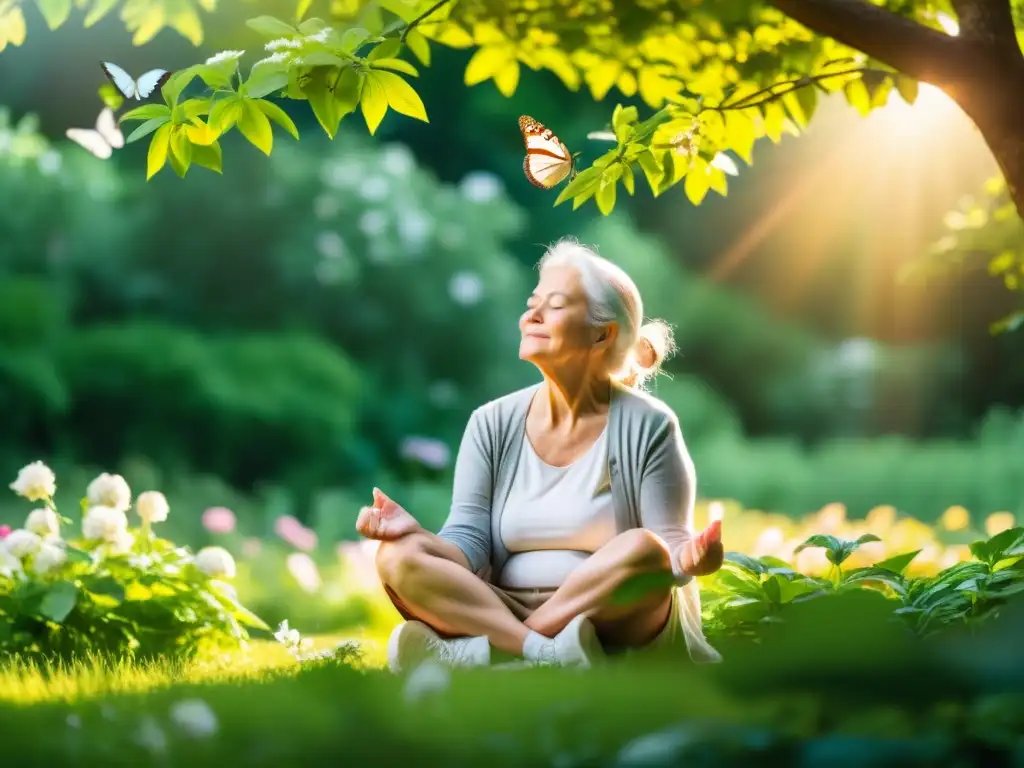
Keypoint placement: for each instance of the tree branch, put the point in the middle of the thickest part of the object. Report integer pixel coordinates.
(989, 22)
(915, 50)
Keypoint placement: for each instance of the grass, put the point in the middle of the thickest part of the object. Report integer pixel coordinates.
(816, 687)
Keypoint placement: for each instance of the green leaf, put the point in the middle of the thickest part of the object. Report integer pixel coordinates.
(107, 586)
(110, 96)
(177, 83)
(398, 65)
(147, 128)
(147, 112)
(323, 59)
(353, 38)
(76, 555)
(225, 113)
(698, 180)
(55, 12)
(302, 8)
(323, 102)
(669, 170)
(208, 156)
(181, 146)
(261, 84)
(898, 563)
(419, 46)
(348, 91)
(98, 10)
(605, 196)
(650, 167)
(271, 27)
(254, 125)
(627, 179)
(858, 97)
(157, 155)
(907, 87)
(747, 563)
(587, 179)
(389, 49)
(59, 601)
(400, 96)
(278, 115)
(312, 26)
(623, 119)
(374, 101)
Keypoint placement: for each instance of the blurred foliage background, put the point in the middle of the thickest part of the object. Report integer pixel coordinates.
(281, 339)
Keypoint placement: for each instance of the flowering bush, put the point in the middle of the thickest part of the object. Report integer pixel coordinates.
(117, 587)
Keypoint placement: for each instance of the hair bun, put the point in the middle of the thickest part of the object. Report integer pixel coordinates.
(654, 343)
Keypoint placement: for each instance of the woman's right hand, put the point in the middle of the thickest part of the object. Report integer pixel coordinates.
(385, 520)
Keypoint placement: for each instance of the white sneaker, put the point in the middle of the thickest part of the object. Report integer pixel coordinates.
(575, 646)
(413, 642)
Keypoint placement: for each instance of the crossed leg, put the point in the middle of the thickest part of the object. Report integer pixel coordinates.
(430, 578)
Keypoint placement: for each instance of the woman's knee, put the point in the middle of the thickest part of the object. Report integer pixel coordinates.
(643, 550)
(399, 561)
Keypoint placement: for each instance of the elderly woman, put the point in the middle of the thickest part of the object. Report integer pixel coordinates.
(564, 492)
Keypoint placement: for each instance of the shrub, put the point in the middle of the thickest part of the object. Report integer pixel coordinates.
(116, 589)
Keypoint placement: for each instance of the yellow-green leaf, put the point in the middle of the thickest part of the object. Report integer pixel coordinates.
(185, 21)
(374, 101)
(627, 178)
(651, 169)
(507, 78)
(740, 134)
(907, 87)
(602, 77)
(858, 97)
(254, 125)
(398, 65)
(225, 113)
(271, 27)
(487, 62)
(146, 112)
(419, 46)
(200, 133)
(147, 24)
(110, 96)
(147, 128)
(400, 96)
(278, 115)
(55, 12)
(300, 11)
(606, 196)
(12, 27)
(586, 179)
(98, 10)
(156, 158)
(388, 49)
(698, 180)
(208, 156)
(181, 146)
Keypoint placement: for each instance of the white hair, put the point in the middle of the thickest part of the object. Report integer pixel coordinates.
(612, 297)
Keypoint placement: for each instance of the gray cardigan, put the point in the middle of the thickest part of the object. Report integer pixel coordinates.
(652, 477)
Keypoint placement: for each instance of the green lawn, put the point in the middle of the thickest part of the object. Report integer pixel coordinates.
(816, 694)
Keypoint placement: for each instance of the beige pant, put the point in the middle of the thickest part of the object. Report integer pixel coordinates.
(524, 602)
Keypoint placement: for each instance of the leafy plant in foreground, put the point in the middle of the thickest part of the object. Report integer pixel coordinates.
(749, 592)
(117, 589)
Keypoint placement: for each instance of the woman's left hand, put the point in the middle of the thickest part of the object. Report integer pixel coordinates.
(703, 554)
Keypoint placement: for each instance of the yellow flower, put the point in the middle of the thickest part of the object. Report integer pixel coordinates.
(881, 518)
(956, 518)
(998, 522)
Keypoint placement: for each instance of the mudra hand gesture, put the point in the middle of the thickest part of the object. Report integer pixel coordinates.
(386, 520)
(703, 554)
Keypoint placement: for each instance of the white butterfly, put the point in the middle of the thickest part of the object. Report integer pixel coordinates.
(547, 160)
(137, 89)
(101, 141)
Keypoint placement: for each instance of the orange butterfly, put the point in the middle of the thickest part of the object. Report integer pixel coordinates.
(547, 160)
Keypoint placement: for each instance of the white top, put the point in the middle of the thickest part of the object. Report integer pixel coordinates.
(556, 517)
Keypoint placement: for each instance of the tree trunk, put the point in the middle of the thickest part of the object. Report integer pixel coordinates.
(981, 68)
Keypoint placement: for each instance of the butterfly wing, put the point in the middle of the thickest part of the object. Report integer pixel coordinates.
(106, 126)
(547, 160)
(150, 81)
(121, 79)
(90, 140)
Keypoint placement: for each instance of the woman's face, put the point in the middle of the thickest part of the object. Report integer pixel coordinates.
(554, 326)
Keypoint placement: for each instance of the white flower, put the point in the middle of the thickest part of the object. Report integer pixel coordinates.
(216, 562)
(283, 42)
(321, 36)
(224, 56)
(274, 58)
(286, 636)
(121, 544)
(195, 717)
(109, 491)
(152, 507)
(22, 543)
(48, 557)
(303, 569)
(9, 564)
(150, 735)
(43, 522)
(36, 482)
(105, 524)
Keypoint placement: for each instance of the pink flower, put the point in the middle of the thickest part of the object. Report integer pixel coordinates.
(426, 451)
(251, 547)
(219, 520)
(295, 533)
(5, 531)
(304, 571)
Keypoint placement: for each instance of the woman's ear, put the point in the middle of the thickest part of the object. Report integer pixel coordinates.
(606, 335)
